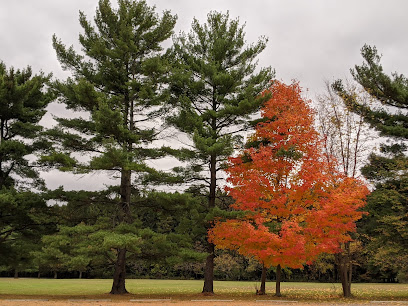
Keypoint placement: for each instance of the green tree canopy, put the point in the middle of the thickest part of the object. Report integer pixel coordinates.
(24, 97)
(117, 82)
(23, 101)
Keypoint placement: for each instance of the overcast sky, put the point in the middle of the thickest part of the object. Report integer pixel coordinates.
(309, 40)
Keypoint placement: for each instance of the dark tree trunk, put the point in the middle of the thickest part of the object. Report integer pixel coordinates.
(208, 287)
(262, 290)
(55, 275)
(278, 280)
(119, 274)
(125, 215)
(16, 273)
(213, 181)
(345, 269)
(80, 274)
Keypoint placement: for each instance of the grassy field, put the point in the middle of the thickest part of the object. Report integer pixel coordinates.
(189, 289)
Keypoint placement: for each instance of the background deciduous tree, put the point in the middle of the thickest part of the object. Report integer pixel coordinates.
(347, 138)
(296, 206)
(386, 223)
(347, 141)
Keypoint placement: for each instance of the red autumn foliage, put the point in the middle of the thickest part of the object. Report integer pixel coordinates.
(296, 205)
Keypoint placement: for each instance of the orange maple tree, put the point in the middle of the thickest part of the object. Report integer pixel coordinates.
(296, 205)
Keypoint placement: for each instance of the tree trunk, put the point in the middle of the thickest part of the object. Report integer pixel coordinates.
(80, 274)
(278, 280)
(345, 269)
(39, 275)
(15, 273)
(55, 274)
(262, 290)
(125, 216)
(208, 287)
(119, 274)
(345, 281)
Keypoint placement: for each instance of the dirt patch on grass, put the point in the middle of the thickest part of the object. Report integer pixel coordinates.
(26, 302)
(154, 300)
(18, 301)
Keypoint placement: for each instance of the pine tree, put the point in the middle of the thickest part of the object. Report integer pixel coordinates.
(389, 91)
(215, 88)
(24, 97)
(23, 101)
(387, 221)
(117, 83)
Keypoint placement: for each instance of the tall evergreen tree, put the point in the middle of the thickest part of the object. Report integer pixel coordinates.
(24, 97)
(23, 102)
(117, 82)
(387, 222)
(215, 88)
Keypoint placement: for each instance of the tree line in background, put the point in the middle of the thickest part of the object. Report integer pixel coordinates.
(294, 194)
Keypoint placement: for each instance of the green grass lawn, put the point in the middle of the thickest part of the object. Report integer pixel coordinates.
(189, 289)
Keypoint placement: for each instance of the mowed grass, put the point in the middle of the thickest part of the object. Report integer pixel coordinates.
(190, 289)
